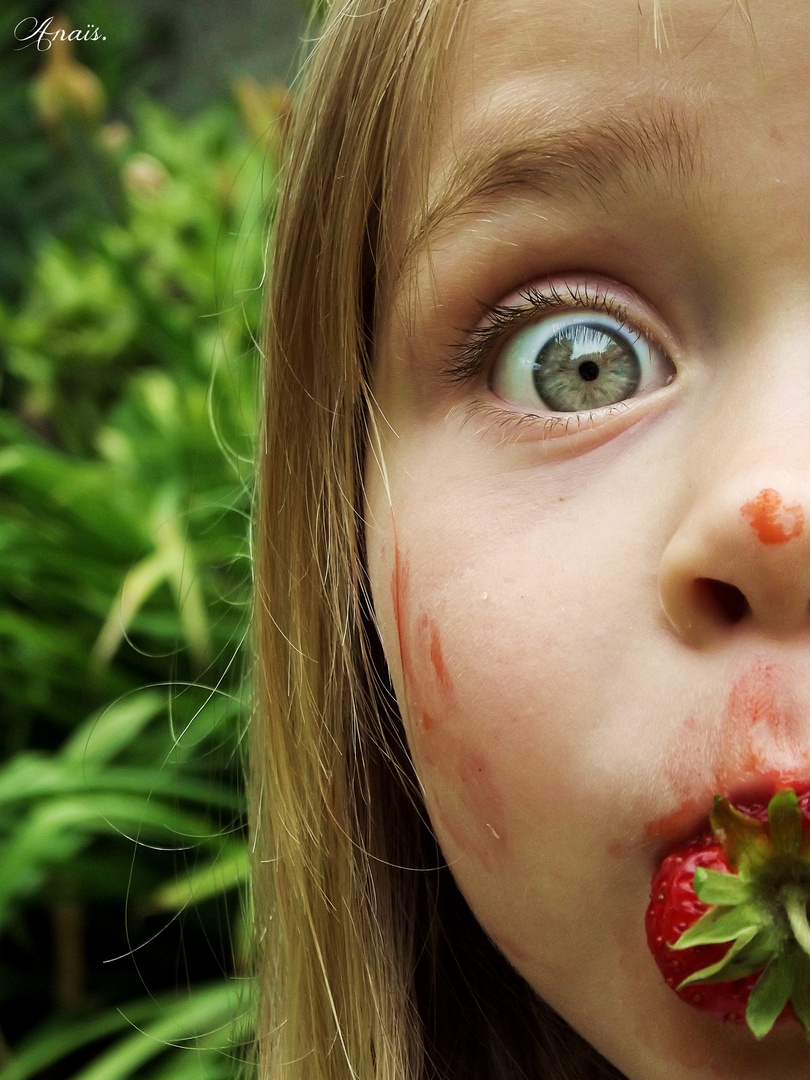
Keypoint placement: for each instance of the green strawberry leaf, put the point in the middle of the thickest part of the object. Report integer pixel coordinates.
(713, 887)
(721, 924)
(752, 957)
(785, 823)
(801, 990)
(772, 992)
(708, 974)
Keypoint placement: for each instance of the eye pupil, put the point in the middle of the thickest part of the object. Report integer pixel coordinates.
(588, 370)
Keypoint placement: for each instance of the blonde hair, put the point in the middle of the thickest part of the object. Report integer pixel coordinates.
(370, 964)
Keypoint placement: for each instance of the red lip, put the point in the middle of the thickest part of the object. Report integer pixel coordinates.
(691, 819)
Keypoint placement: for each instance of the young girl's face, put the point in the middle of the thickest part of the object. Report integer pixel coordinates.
(589, 557)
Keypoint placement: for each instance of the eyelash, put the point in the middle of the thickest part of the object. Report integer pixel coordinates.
(503, 320)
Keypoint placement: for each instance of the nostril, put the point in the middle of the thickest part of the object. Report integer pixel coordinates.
(723, 601)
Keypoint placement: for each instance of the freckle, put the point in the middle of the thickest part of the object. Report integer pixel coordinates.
(772, 520)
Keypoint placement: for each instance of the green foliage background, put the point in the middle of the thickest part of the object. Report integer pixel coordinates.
(131, 280)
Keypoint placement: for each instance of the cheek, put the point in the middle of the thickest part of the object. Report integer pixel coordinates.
(487, 730)
(462, 792)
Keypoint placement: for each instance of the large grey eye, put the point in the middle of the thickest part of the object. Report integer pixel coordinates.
(586, 366)
(577, 362)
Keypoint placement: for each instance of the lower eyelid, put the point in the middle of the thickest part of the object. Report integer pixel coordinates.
(513, 425)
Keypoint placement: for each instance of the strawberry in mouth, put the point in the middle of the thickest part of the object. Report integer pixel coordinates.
(727, 919)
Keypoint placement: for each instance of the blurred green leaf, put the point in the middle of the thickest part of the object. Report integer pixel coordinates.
(228, 871)
(110, 731)
(206, 1012)
(127, 419)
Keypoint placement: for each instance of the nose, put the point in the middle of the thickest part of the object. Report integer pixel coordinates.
(740, 555)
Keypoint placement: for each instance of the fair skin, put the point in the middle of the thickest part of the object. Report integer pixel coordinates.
(572, 696)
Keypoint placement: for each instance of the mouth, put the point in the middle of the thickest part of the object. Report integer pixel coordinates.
(745, 749)
(690, 820)
(727, 921)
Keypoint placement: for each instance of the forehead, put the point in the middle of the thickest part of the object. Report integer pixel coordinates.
(551, 98)
(578, 54)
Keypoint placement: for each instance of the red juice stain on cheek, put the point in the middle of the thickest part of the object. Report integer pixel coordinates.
(673, 825)
(463, 791)
(427, 684)
(399, 586)
(431, 648)
(469, 803)
(442, 674)
(513, 951)
(772, 520)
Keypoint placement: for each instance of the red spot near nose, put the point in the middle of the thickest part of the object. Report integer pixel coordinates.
(771, 519)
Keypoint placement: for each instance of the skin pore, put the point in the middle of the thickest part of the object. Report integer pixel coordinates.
(597, 617)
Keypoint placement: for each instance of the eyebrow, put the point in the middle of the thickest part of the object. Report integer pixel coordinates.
(586, 157)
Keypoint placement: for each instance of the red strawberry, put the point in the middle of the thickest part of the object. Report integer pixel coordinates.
(727, 918)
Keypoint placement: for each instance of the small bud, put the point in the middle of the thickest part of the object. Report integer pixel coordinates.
(113, 136)
(144, 175)
(65, 88)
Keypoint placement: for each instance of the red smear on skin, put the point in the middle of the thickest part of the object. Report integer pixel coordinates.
(771, 520)
(511, 949)
(431, 645)
(399, 586)
(755, 730)
(678, 822)
(423, 669)
(470, 806)
(442, 674)
(471, 811)
(429, 722)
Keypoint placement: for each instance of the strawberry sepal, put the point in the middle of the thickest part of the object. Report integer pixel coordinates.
(712, 887)
(720, 924)
(771, 993)
(760, 908)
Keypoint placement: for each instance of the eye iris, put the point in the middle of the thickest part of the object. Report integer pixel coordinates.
(586, 366)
